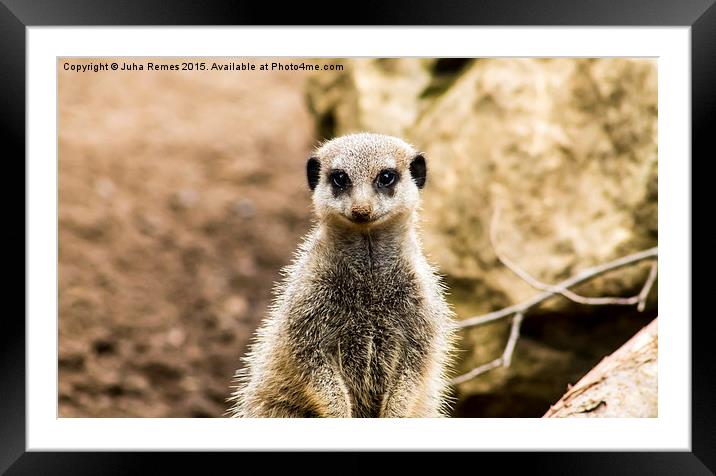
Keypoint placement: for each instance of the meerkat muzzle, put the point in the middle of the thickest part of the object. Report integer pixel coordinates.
(361, 214)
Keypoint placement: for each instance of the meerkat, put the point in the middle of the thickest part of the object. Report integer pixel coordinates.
(359, 326)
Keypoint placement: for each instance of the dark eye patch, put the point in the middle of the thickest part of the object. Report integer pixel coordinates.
(339, 180)
(386, 178)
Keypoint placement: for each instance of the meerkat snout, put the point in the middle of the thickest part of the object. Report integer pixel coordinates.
(361, 213)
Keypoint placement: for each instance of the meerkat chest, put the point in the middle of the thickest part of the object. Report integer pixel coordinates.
(360, 309)
(373, 321)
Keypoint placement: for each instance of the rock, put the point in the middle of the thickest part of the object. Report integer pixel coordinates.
(136, 384)
(235, 306)
(104, 187)
(176, 337)
(539, 140)
(183, 200)
(349, 102)
(244, 208)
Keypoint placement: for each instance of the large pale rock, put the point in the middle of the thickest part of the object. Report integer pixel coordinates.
(567, 149)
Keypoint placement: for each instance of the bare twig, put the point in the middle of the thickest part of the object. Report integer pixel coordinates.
(504, 360)
(512, 341)
(477, 371)
(647, 287)
(562, 288)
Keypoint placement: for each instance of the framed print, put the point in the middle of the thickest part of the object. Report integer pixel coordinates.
(437, 229)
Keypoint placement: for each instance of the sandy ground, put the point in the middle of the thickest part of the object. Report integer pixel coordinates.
(181, 196)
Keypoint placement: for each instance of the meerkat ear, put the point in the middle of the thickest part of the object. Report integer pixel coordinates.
(418, 170)
(313, 169)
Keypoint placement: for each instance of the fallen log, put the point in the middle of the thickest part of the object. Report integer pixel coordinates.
(623, 384)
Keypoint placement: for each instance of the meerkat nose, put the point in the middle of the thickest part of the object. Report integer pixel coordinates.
(361, 213)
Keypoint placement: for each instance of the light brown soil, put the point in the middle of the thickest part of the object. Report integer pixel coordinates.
(181, 196)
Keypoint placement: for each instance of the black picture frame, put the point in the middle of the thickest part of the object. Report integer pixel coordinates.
(16, 15)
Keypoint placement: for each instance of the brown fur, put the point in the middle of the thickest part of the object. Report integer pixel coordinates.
(359, 326)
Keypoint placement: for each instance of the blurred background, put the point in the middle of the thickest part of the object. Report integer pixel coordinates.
(183, 193)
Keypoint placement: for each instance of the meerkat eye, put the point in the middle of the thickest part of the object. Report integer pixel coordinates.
(340, 179)
(386, 178)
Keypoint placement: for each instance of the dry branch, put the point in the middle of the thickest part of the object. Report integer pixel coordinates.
(624, 384)
(579, 278)
(504, 360)
(548, 291)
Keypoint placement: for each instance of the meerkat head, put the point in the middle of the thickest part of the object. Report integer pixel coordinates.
(365, 180)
